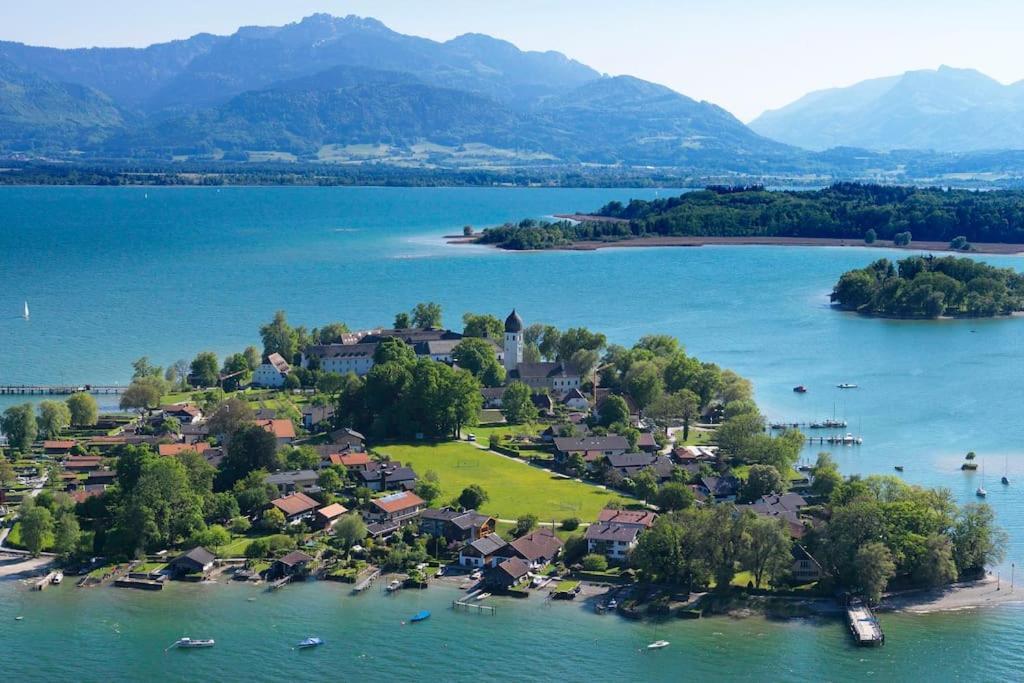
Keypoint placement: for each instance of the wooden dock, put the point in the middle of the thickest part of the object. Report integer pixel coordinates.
(59, 389)
(366, 582)
(468, 604)
(864, 626)
(42, 583)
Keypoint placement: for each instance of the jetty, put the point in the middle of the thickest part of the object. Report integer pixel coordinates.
(366, 581)
(864, 626)
(139, 583)
(468, 604)
(59, 389)
(42, 583)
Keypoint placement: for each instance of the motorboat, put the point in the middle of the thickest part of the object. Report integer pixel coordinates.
(394, 585)
(192, 643)
(419, 616)
(312, 641)
(658, 644)
(57, 578)
(847, 385)
(482, 596)
(981, 492)
(899, 468)
(800, 389)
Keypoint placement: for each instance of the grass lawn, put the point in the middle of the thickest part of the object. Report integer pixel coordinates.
(14, 539)
(515, 488)
(236, 548)
(483, 433)
(698, 437)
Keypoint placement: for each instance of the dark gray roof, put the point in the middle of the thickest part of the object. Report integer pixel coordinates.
(721, 487)
(321, 351)
(199, 555)
(291, 477)
(612, 442)
(543, 370)
(612, 532)
(392, 474)
(295, 557)
(488, 545)
(513, 323)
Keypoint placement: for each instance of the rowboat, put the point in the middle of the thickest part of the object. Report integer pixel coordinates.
(419, 616)
(658, 644)
(312, 641)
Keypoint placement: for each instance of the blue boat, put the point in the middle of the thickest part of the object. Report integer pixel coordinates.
(310, 642)
(420, 616)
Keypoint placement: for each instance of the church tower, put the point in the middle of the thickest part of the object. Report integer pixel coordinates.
(513, 341)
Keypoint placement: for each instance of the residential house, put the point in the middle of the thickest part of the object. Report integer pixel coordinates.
(169, 449)
(185, 413)
(455, 525)
(283, 430)
(575, 400)
(83, 463)
(631, 464)
(58, 446)
(313, 415)
(386, 476)
(101, 478)
(486, 551)
(191, 433)
(346, 438)
(294, 480)
(804, 568)
(647, 443)
(720, 488)
(543, 402)
(492, 397)
(695, 454)
(272, 372)
(296, 507)
(614, 541)
(537, 548)
(353, 462)
(507, 574)
(556, 377)
(786, 507)
(402, 508)
(641, 519)
(329, 515)
(590, 447)
(199, 560)
(292, 564)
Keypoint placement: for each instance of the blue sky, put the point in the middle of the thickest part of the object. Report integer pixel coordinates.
(745, 56)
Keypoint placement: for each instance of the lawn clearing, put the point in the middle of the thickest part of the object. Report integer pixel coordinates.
(514, 487)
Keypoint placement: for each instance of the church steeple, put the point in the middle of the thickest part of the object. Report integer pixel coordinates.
(513, 341)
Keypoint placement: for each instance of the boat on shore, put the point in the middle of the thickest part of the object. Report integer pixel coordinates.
(192, 643)
(312, 641)
(57, 578)
(419, 616)
(482, 596)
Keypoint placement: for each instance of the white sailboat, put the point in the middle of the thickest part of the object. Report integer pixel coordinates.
(981, 492)
(25, 314)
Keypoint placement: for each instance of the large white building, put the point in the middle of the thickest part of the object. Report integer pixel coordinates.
(272, 373)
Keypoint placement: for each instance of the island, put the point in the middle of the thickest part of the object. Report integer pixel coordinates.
(504, 458)
(930, 287)
(843, 214)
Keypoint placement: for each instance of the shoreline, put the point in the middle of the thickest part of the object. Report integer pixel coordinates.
(997, 248)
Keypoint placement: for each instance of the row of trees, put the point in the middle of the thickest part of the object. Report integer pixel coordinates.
(24, 423)
(928, 287)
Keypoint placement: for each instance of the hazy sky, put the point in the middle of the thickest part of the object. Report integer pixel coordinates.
(746, 56)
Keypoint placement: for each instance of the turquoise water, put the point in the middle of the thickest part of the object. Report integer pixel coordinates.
(112, 274)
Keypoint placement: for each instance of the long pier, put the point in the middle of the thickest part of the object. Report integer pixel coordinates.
(59, 389)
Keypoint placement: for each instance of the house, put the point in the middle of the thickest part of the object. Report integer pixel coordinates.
(720, 488)
(631, 464)
(647, 443)
(329, 515)
(695, 454)
(312, 415)
(590, 447)
(272, 372)
(191, 433)
(103, 478)
(58, 447)
(291, 564)
(199, 560)
(537, 548)
(341, 358)
(296, 507)
(556, 377)
(83, 463)
(487, 551)
(492, 397)
(454, 525)
(507, 573)
(347, 438)
(283, 430)
(542, 401)
(169, 449)
(353, 462)
(641, 519)
(401, 508)
(294, 480)
(575, 400)
(614, 541)
(441, 350)
(185, 413)
(786, 507)
(386, 476)
(804, 568)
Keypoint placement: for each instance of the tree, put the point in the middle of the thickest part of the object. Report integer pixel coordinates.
(252, 491)
(331, 383)
(937, 567)
(525, 524)
(349, 531)
(19, 424)
(273, 519)
(517, 404)
(222, 506)
(614, 410)
(329, 481)
(240, 525)
(825, 476)
(228, 417)
(143, 368)
(870, 236)
(977, 541)
(426, 315)
(402, 321)
(66, 535)
(429, 487)
(36, 527)
(478, 357)
(54, 418)
(300, 458)
(645, 484)
(203, 370)
(483, 325)
(902, 239)
(141, 395)
(279, 337)
(873, 568)
(472, 497)
(214, 536)
(674, 496)
(177, 373)
(959, 243)
(83, 408)
(767, 554)
(595, 563)
(7, 473)
(761, 481)
(393, 350)
(644, 382)
(251, 448)
(331, 333)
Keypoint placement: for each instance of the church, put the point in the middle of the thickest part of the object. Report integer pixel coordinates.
(556, 377)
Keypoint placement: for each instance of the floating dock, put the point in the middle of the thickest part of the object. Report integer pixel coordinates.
(864, 626)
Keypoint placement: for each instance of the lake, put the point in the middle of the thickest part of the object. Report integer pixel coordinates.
(113, 274)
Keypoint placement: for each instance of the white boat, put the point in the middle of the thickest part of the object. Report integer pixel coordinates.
(394, 585)
(981, 492)
(57, 578)
(847, 385)
(189, 643)
(482, 596)
(658, 644)
(25, 314)
(312, 641)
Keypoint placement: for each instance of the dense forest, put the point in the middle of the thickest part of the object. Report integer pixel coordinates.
(844, 210)
(929, 287)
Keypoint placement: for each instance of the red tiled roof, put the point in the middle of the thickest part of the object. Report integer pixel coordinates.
(282, 429)
(398, 501)
(187, 408)
(82, 495)
(83, 461)
(294, 504)
(332, 511)
(350, 459)
(66, 444)
(644, 517)
(176, 448)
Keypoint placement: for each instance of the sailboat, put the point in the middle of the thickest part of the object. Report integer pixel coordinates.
(981, 492)
(1006, 479)
(25, 314)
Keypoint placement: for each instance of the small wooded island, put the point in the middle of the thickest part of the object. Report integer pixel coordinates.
(930, 287)
(866, 214)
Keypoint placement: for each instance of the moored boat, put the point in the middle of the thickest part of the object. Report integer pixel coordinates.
(419, 616)
(312, 641)
(482, 596)
(192, 643)
(394, 585)
(800, 389)
(57, 578)
(658, 644)
(899, 468)
(847, 385)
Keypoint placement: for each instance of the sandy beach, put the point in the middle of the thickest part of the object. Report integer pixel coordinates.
(969, 595)
(20, 567)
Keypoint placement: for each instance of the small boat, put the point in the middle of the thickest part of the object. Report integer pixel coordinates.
(57, 578)
(612, 604)
(800, 389)
(658, 644)
(847, 385)
(981, 492)
(1006, 480)
(482, 596)
(191, 643)
(19, 618)
(394, 585)
(25, 314)
(419, 616)
(899, 468)
(312, 641)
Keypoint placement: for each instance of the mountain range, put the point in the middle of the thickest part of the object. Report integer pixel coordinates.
(945, 110)
(351, 90)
